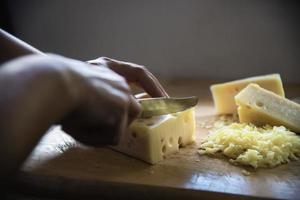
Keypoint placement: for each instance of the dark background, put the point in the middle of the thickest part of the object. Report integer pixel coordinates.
(196, 39)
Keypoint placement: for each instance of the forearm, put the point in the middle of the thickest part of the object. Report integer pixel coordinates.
(33, 97)
(12, 47)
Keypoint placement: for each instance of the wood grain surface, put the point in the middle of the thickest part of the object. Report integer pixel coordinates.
(60, 167)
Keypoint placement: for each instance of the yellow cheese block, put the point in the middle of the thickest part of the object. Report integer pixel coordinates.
(260, 107)
(154, 138)
(223, 94)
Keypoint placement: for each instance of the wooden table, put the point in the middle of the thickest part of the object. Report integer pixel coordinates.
(59, 167)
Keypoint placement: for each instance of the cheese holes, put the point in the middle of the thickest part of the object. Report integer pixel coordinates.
(164, 148)
(259, 104)
(180, 141)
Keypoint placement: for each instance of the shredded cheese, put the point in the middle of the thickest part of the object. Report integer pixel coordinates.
(247, 144)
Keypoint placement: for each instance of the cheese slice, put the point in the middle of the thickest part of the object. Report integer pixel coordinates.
(223, 94)
(154, 138)
(260, 107)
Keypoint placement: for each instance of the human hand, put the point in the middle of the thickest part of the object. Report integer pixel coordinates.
(93, 104)
(105, 105)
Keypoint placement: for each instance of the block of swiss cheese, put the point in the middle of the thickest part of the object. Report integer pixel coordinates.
(260, 106)
(154, 138)
(223, 93)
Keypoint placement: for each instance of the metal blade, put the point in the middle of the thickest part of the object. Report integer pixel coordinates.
(161, 106)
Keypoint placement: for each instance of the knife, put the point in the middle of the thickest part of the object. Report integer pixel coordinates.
(164, 105)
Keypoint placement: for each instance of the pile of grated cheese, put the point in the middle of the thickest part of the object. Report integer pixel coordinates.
(247, 144)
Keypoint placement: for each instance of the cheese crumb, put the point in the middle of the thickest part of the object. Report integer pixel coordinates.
(246, 144)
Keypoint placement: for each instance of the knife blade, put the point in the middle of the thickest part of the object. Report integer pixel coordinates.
(164, 105)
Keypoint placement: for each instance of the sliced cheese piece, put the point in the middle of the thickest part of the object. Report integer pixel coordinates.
(260, 107)
(154, 138)
(223, 94)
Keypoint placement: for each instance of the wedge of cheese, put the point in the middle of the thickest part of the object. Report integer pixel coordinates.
(260, 106)
(223, 94)
(154, 138)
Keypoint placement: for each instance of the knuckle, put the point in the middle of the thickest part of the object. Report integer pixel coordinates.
(123, 84)
(98, 61)
(102, 58)
(105, 60)
(121, 79)
(141, 69)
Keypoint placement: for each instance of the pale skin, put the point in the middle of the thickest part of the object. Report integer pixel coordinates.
(90, 100)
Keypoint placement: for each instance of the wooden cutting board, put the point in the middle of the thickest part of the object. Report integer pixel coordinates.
(59, 167)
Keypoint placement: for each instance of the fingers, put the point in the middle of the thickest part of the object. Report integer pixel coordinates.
(112, 78)
(93, 129)
(111, 108)
(134, 109)
(120, 84)
(91, 136)
(138, 74)
(149, 83)
(104, 115)
(96, 136)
